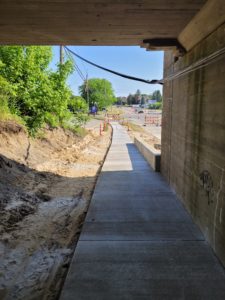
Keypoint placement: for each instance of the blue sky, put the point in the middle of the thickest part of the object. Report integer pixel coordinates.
(134, 61)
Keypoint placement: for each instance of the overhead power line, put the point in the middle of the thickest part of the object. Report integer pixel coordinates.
(154, 81)
(79, 72)
(75, 65)
(201, 63)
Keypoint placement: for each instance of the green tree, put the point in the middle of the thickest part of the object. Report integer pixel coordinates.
(138, 92)
(78, 106)
(119, 100)
(157, 96)
(142, 100)
(98, 91)
(6, 90)
(137, 97)
(129, 99)
(39, 95)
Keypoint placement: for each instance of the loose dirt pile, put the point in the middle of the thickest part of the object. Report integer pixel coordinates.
(45, 188)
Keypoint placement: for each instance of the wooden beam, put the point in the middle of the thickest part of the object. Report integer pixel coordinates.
(112, 5)
(209, 18)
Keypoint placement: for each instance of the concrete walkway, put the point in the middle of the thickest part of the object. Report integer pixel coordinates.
(138, 242)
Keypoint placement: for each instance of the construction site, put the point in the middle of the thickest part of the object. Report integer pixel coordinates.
(134, 208)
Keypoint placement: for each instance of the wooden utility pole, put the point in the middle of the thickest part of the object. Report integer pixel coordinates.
(87, 91)
(61, 55)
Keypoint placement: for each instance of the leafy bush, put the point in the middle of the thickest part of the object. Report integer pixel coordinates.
(79, 108)
(6, 91)
(34, 93)
(157, 105)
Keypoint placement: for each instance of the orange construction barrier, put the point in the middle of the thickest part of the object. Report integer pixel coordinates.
(153, 120)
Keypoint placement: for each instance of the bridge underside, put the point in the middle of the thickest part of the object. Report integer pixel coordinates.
(193, 133)
(93, 22)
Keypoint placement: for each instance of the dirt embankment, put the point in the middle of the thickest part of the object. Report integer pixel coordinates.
(45, 188)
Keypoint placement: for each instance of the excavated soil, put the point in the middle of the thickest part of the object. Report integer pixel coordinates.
(45, 188)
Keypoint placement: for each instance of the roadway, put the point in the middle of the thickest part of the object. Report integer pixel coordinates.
(139, 119)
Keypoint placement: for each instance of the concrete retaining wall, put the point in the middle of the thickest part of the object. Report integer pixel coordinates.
(150, 154)
(193, 137)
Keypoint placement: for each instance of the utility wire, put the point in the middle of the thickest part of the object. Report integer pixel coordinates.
(76, 66)
(79, 72)
(201, 63)
(154, 81)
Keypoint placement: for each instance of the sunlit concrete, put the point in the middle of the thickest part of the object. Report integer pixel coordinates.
(95, 22)
(138, 242)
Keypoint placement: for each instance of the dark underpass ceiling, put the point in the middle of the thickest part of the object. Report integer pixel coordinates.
(96, 22)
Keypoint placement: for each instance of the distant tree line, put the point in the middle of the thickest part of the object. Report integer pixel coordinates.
(141, 99)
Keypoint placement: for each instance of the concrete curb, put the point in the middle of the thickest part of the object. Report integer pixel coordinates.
(152, 156)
